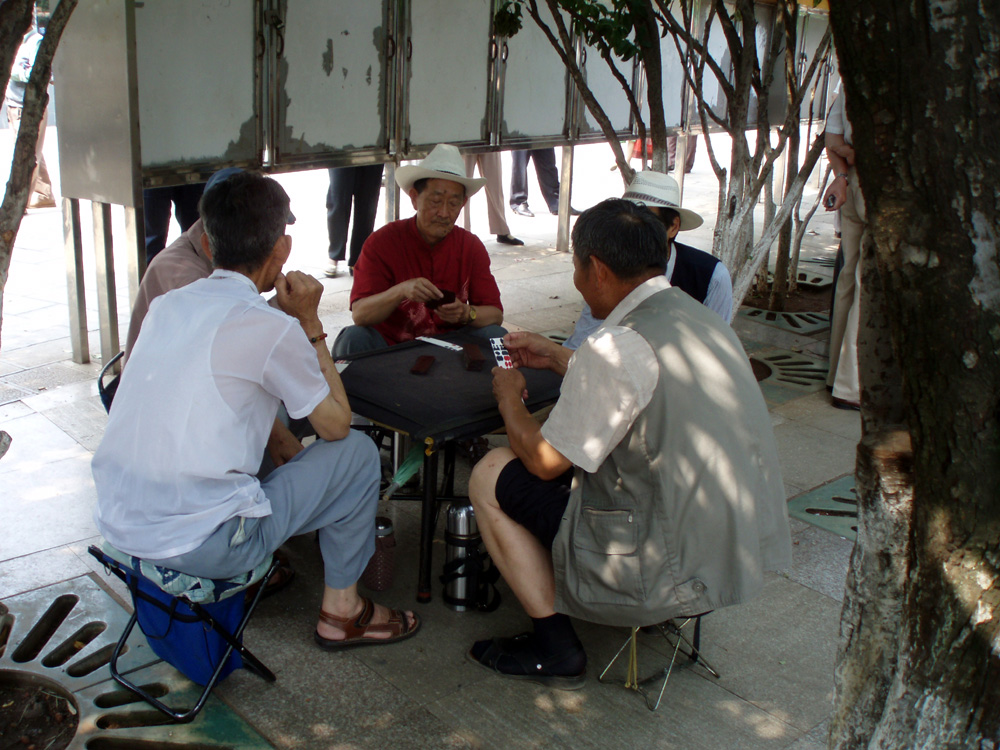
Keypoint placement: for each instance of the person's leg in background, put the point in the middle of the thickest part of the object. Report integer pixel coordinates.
(186, 199)
(519, 183)
(492, 172)
(40, 192)
(156, 219)
(843, 372)
(338, 214)
(548, 176)
(367, 189)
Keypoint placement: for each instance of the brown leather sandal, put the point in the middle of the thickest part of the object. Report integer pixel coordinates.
(358, 630)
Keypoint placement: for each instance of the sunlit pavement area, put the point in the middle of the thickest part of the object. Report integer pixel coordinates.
(775, 654)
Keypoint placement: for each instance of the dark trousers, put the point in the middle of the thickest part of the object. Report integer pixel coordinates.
(360, 186)
(545, 170)
(156, 212)
(692, 146)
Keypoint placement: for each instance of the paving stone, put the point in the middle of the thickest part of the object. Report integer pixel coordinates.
(777, 650)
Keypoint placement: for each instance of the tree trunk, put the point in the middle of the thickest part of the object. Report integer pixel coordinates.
(36, 99)
(782, 262)
(921, 662)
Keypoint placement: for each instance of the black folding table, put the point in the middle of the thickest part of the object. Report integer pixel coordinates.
(447, 403)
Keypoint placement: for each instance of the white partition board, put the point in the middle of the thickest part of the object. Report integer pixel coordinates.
(534, 100)
(608, 92)
(712, 92)
(331, 78)
(814, 27)
(96, 121)
(672, 79)
(449, 72)
(195, 70)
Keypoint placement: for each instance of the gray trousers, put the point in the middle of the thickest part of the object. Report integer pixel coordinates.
(328, 487)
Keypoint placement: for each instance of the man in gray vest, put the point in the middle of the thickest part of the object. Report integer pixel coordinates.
(653, 490)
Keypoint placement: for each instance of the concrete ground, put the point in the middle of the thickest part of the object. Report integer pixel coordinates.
(775, 654)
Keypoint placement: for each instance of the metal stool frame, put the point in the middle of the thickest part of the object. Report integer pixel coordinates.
(674, 635)
(130, 578)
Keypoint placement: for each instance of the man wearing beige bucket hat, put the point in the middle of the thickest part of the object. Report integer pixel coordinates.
(423, 275)
(701, 275)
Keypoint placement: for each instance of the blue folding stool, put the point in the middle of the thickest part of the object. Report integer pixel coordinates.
(194, 624)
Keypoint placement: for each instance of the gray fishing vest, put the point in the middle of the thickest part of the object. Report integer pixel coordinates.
(689, 509)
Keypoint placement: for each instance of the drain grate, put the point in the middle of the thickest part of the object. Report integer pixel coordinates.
(792, 374)
(805, 323)
(811, 278)
(833, 507)
(65, 633)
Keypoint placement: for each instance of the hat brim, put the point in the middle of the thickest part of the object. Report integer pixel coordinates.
(409, 174)
(689, 218)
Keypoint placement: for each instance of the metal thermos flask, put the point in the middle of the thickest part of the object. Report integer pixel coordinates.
(461, 538)
(378, 573)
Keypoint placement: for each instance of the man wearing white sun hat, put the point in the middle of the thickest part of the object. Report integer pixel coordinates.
(703, 276)
(423, 275)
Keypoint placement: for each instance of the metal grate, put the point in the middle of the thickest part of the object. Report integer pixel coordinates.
(805, 323)
(833, 507)
(65, 633)
(793, 370)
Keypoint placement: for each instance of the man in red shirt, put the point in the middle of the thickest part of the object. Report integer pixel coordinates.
(424, 276)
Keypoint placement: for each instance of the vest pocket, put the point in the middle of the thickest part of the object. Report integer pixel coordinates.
(607, 566)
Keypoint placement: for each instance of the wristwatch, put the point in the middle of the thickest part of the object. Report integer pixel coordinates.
(842, 174)
(472, 313)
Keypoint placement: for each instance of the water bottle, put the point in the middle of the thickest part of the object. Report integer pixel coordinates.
(378, 573)
(469, 577)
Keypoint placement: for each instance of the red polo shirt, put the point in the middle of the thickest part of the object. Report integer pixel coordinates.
(397, 253)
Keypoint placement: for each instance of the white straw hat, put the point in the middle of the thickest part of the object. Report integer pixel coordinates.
(443, 163)
(657, 189)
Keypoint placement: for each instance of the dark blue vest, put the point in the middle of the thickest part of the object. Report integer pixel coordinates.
(693, 270)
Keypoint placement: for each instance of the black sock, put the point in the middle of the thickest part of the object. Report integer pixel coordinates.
(555, 636)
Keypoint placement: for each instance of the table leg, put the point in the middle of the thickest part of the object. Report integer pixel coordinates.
(428, 516)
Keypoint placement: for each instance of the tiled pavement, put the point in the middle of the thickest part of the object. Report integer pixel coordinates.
(775, 654)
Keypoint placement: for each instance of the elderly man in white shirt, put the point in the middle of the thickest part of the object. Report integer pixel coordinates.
(175, 470)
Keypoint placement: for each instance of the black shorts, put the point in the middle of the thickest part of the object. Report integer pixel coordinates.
(538, 505)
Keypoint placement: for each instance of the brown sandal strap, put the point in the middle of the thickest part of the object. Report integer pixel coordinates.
(360, 626)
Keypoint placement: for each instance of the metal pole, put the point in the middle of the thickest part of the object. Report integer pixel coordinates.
(76, 289)
(565, 198)
(107, 304)
(135, 246)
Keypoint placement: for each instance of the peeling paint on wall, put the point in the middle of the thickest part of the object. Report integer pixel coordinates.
(246, 142)
(328, 58)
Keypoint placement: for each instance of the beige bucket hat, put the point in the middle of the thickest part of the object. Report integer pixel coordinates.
(445, 162)
(657, 189)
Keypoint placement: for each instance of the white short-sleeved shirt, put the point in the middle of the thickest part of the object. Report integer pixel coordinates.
(836, 121)
(620, 365)
(193, 412)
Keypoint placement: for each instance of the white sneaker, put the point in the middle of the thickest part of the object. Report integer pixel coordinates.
(333, 269)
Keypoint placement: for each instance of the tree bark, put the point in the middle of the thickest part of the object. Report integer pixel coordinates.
(921, 662)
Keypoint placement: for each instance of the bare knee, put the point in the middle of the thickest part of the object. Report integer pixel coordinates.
(483, 480)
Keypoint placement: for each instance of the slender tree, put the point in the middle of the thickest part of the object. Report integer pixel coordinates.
(625, 29)
(15, 18)
(920, 661)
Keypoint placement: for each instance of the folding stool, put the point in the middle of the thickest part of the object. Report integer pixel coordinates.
(195, 605)
(673, 634)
